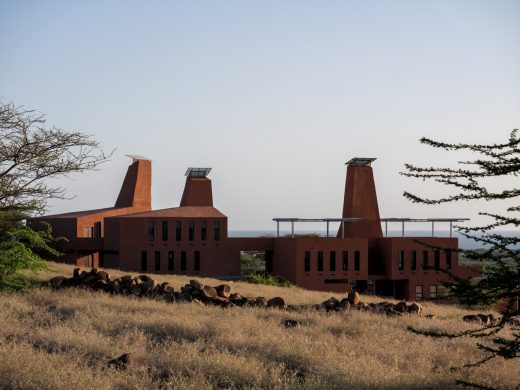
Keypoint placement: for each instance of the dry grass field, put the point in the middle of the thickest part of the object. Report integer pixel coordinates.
(63, 339)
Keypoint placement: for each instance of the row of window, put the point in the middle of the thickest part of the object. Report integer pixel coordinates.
(425, 261)
(332, 261)
(93, 231)
(203, 230)
(171, 261)
(419, 292)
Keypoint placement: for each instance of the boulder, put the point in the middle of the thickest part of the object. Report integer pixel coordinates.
(414, 308)
(170, 297)
(183, 297)
(128, 360)
(363, 306)
(353, 298)
(290, 323)
(196, 293)
(75, 273)
(196, 284)
(144, 278)
(116, 287)
(127, 279)
(401, 307)
(277, 302)
(260, 302)
(344, 305)
(223, 290)
(330, 304)
(209, 292)
(472, 318)
(57, 281)
(90, 279)
(484, 318)
(102, 275)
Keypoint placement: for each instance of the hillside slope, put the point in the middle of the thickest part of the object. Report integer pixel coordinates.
(63, 339)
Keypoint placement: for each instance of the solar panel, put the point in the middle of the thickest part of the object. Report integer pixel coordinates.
(197, 172)
(361, 161)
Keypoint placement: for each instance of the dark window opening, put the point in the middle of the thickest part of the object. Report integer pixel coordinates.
(307, 261)
(437, 255)
(320, 261)
(203, 230)
(216, 228)
(448, 259)
(344, 265)
(196, 263)
(170, 261)
(97, 229)
(89, 261)
(332, 261)
(165, 230)
(191, 230)
(144, 261)
(336, 281)
(400, 261)
(178, 231)
(151, 231)
(414, 260)
(183, 261)
(425, 260)
(157, 261)
(357, 260)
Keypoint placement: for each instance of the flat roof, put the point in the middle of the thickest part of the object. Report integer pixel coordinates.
(315, 219)
(424, 219)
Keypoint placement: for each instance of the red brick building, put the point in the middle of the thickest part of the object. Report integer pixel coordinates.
(193, 239)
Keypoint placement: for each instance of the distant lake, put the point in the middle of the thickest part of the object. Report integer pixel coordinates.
(464, 243)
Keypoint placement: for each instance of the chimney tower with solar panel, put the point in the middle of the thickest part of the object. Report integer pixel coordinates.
(197, 190)
(360, 200)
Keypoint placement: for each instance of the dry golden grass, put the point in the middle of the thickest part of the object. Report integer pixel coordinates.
(62, 340)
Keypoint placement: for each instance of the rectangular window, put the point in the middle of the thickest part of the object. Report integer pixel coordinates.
(437, 258)
(320, 261)
(97, 229)
(196, 263)
(332, 261)
(448, 258)
(151, 231)
(178, 231)
(144, 261)
(203, 230)
(433, 292)
(157, 261)
(165, 230)
(170, 261)
(89, 261)
(357, 260)
(400, 260)
(88, 232)
(307, 261)
(414, 260)
(216, 230)
(183, 261)
(344, 263)
(418, 292)
(191, 230)
(425, 260)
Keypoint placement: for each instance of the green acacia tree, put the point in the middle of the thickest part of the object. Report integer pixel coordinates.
(30, 154)
(474, 180)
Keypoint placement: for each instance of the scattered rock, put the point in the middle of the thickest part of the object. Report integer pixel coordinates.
(330, 304)
(472, 318)
(196, 284)
(290, 323)
(223, 290)
(414, 308)
(277, 302)
(353, 298)
(57, 281)
(209, 292)
(128, 360)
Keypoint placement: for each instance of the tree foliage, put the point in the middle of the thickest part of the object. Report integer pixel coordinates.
(31, 154)
(475, 180)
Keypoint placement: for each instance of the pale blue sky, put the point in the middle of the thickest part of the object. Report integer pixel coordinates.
(275, 96)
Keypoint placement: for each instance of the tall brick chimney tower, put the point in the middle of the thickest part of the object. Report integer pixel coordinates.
(136, 190)
(197, 190)
(360, 201)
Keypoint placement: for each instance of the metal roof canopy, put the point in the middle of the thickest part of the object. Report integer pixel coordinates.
(327, 220)
(136, 157)
(432, 220)
(361, 161)
(197, 172)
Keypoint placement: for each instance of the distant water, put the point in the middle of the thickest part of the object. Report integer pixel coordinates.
(464, 243)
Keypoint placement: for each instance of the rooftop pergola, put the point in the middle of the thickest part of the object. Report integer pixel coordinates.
(292, 221)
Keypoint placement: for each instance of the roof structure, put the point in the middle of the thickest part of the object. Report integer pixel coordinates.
(136, 157)
(360, 161)
(197, 172)
(180, 212)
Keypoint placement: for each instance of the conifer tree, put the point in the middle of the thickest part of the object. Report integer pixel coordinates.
(475, 180)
